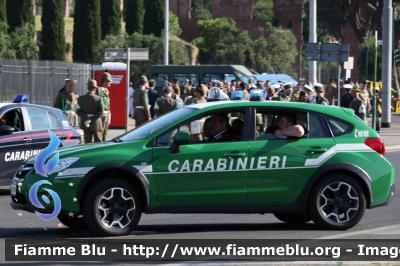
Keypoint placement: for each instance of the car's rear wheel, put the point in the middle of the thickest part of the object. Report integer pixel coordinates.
(112, 207)
(72, 222)
(337, 202)
(293, 217)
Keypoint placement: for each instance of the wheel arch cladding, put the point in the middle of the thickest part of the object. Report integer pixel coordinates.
(123, 171)
(341, 168)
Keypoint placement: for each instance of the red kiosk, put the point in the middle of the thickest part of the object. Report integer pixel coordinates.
(117, 91)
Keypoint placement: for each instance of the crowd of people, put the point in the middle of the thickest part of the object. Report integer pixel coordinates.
(93, 108)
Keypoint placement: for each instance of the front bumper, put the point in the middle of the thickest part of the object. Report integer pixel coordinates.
(387, 201)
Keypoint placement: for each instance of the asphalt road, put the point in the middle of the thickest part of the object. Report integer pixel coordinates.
(379, 223)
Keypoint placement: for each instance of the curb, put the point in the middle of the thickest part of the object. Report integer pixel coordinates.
(393, 148)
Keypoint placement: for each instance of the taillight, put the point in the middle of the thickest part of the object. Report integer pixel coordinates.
(376, 144)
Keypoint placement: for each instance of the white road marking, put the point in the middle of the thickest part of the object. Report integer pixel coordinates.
(386, 230)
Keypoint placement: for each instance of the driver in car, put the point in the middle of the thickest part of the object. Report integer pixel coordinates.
(286, 125)
(3, 120)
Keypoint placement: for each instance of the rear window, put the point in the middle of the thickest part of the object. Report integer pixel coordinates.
(338, 126)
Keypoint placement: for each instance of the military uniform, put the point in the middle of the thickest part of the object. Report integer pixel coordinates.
(165, 105)
(330, 93)
(322, 100)
(177, 89)
(226, 135)
(346, 100)
(104, 94)
(187, 89)
(284, 98)
(358, 106)
(66, 102)
(295, 96)
(364, 96)
(141, 103)
(90, 108)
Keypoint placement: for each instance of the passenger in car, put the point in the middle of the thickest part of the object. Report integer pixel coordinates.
(286, 125)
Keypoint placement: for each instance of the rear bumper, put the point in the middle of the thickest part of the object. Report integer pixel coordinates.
(387, 201)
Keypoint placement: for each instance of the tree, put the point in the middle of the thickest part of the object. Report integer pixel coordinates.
(201, 9)
(174, 27)
(134, 16)
(153, 22)
(20, 12)
(263, 10)
(87, 31)
(212, 30)
(53, 38)
(370, 44)
(111, 17)
(3, 15)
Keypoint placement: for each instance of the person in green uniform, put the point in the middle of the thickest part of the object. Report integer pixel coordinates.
(141, 103)
(66, 101)
(320, 94)
(104, 94)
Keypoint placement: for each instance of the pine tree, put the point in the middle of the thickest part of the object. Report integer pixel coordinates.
(20, 12)
(3, 17)
(134, 16)
(154, 17)
(87, 31)
(111, 16)
(53, 38)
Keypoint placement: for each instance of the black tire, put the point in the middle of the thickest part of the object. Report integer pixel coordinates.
(72, 222)
(116, 205)
(293, 217)
(344, 194)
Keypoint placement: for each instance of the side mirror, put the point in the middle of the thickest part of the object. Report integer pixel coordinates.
(6, 130)
(180, 138)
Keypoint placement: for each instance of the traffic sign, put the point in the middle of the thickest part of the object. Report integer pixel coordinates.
(115, 54)
(139, 54)
(349, 64)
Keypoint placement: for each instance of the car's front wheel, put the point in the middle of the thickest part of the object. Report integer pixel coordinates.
(112, 207)
(337, 202)
(293, 217)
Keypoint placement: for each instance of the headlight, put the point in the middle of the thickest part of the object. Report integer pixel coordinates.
(65, 163)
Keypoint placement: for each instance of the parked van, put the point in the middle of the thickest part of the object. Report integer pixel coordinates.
(197, 74)
(274, 78)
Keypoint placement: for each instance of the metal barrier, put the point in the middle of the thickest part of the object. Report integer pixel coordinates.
(40, 81)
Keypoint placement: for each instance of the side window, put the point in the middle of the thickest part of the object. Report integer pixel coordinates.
(159, 79)
(13, 119)
(39, 119)
(268, 122)
(229, 77)
(53, 121)
(338, 126)
(182, 77)
(204, 128)
(209, 77)
(315, 129)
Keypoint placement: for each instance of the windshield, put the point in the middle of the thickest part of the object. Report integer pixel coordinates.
(154, 125)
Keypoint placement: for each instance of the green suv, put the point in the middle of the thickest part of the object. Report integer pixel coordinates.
(330, 175)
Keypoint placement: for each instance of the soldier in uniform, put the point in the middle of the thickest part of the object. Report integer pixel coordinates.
(221, 129)
(66, 101)
(330, 91)
(187, 89)
(104, 94)
(365, 96)
(286, 93)
(197, 126)
(166, 103)
(166, 83)
(320, 94)
(357, 104)
(141, 103)
(176, 88)
(90, 110)
(296, 93)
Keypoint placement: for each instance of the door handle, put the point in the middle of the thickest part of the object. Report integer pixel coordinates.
(234, 155)
(26, 140)
(316, 150)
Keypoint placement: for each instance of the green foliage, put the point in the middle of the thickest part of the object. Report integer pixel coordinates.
(212, 31)
(3, 14)
(19, 44)
(68, 47)
(134, 16)
(87, 31)
(178, 53)
(111, 16)
(153, 22)
(174, 27)
(370, 43)
(53, 38)
(263, 10)
(323, 27)
(201, 9)
(20, 12)
(223, 43)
